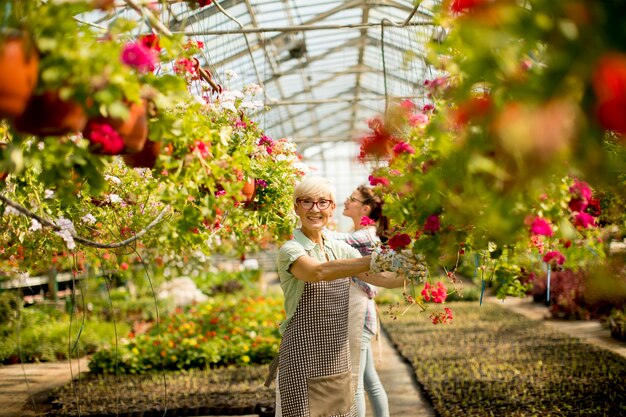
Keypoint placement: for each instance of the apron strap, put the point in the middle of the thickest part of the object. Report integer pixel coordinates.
(272, 372)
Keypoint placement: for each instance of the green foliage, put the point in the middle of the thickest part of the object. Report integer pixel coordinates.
(48, 334)
(494, 362)
(227, 330)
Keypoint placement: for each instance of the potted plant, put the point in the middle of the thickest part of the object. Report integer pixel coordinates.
(617, 324)
(19, 58)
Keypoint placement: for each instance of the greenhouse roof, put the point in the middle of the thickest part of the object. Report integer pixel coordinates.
(325, 66)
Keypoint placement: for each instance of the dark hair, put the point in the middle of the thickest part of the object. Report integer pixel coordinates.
(375, 202)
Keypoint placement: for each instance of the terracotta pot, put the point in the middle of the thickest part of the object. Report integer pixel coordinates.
(3, 175)
(48, 115)
(19, 65)
(146, 158)
(249, 189)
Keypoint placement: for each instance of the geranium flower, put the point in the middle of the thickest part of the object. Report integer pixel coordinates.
(366, 221)
(541, 227)
(374, 181)
(138, 56)
(594, 207)
(459, 6)
(584, 220)
(403, 147)
(577, 204)
(442, 317)
(438, 294)
(399, 241)
(609, 85)
(104, 139)
(554, 256)
(418, 120)
(150, 41)
(432, 224)
(581, 189)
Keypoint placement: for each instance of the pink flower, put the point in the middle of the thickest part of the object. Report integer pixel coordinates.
(261, 183)
(403, 147)
(123, 266)
(581, 189)
(202, 149)
(459, 6)
(138, 56)
(150, 41)
(584, 220)
(399, 241)
(427, 108)
(432, 224)
(366, 221)
(419, 119)
(104, 139)
(407, 104)
(220, 193)
(541, 227)
(374, 181)
(442, 317)
(554, 256)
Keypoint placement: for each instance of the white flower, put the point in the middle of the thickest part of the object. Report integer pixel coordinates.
(10, 210)
(34, 225)
(252, 89)
(228, 105)
(251, 104)
(88, 219)
(48, 194)
(114, 198)
(40, 146)
(67, 232)
(113, 179)
(231, 75)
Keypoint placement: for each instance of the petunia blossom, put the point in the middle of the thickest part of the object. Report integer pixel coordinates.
(554, 256)
(104, 139)
(541, 227)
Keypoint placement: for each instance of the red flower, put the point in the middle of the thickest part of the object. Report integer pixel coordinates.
(399, 241)
(432, 224)
(472, 109)
(577, 204)
(459, 6)
(374, 181)
(554, 256)
(104, 139)
(203, 3)
(609, 85)
(594, 207)
(150, 41)
(403, 147)
(366, 221)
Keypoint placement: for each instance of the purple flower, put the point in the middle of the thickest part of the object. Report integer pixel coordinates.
(541, 227)
(138, 56)
(261, 183)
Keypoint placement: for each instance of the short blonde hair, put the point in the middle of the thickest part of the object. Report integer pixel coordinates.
(313, 186)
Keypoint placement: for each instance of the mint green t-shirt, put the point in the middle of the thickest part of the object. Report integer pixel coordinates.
(292, 250)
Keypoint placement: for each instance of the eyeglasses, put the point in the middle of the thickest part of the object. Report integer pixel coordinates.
(352, 200)
(308, 204)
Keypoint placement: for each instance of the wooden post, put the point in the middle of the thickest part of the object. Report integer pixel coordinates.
(52, 284)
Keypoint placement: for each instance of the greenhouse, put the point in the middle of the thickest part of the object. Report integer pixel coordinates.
(289, 208)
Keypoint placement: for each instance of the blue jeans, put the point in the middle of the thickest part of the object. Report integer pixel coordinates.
(370, 382)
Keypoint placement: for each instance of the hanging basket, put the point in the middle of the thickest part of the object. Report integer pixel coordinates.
(48, 115)
(19, 65)
(146, 158)
(3, 174)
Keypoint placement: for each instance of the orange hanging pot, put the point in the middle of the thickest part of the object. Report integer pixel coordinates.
(249, 190)
(145, 158)
(19, 65)
(48, 115)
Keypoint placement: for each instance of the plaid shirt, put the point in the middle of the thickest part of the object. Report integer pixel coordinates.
(363, 240)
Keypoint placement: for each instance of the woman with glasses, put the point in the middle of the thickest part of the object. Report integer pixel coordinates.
(363, 319)
(314, 365)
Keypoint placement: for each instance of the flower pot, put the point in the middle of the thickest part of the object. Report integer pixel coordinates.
(48, 115)
(3, 175)
(19, 64)
(145, 158)
(249, 189)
